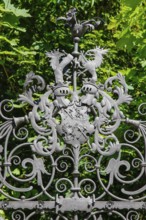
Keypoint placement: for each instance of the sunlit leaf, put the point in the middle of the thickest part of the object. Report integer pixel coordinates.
(12, 42)
(18, 12)
(16, 172)
(131, 3)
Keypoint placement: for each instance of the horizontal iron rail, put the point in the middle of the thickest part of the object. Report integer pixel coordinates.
(70, 204)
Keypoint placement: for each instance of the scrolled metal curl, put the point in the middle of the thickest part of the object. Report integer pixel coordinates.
(63, 165)
(16, 160)
(6, 106)
(62, 187)
(88, 188)
(39, 146)
(131, 134)
(18, 215)
(142, 109)
(136, 162)
(22, 133)
(132, 215)
(90, 163)
(67, 150)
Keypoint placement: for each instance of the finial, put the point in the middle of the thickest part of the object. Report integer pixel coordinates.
(78, 29)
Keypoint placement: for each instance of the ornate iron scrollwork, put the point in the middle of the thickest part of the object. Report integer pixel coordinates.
(64, 154)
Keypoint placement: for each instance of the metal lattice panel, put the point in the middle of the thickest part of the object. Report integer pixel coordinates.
(63, 157)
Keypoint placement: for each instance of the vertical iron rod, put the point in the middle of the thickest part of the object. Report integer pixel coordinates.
(75, 217)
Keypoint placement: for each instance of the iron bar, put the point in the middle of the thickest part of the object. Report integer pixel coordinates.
(68, 205)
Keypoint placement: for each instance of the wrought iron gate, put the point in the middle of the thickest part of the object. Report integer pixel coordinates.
(65, 158)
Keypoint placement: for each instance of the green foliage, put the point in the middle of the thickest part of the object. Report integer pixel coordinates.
(12, 53)
(130, 32)
(128, 28)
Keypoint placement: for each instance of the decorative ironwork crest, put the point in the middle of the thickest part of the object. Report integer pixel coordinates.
(64, 155)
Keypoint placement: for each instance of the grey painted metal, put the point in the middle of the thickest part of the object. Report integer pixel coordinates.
(63, 155)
